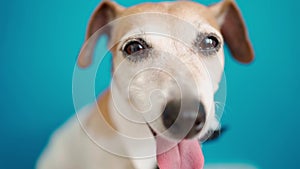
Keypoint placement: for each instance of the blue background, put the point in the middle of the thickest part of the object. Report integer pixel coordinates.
(39, 43)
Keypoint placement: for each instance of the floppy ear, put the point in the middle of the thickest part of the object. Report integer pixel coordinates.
(105, 13)
(233, 30)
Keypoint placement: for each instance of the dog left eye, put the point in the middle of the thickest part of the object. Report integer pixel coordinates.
(209, 43)
(134, 47)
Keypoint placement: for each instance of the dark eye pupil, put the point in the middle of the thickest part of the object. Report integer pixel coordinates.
(133, 47)
(209, 43)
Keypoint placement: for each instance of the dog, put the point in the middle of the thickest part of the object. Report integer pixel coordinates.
(167, 64)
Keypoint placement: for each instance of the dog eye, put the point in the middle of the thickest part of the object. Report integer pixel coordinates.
(209, 43)
(134, 47)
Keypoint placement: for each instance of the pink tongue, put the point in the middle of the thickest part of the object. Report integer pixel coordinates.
(187, 154)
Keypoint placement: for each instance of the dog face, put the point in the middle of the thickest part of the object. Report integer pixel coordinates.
(168, 61)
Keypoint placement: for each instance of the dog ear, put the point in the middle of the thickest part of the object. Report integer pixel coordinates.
(233, 30)
(104, 13)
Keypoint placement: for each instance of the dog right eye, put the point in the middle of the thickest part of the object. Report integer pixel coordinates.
(134, 47)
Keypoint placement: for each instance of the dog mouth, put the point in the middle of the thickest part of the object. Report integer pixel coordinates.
(185, 154)
(152, 131)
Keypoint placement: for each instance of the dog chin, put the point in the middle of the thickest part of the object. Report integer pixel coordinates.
(213, 132)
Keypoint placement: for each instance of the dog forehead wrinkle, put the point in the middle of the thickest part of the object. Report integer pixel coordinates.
(192, 12)
(186, 10)
(146, 7)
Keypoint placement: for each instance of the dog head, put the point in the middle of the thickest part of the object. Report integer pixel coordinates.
(175, 49)
(168, 60)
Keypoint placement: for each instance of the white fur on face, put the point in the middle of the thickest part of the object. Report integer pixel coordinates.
(172, 68)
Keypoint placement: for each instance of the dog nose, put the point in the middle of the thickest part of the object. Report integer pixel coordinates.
(177, 116)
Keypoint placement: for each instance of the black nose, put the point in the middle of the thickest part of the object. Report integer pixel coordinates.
(185, 119)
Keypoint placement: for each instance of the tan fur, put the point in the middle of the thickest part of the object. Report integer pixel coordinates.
(103, 103)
